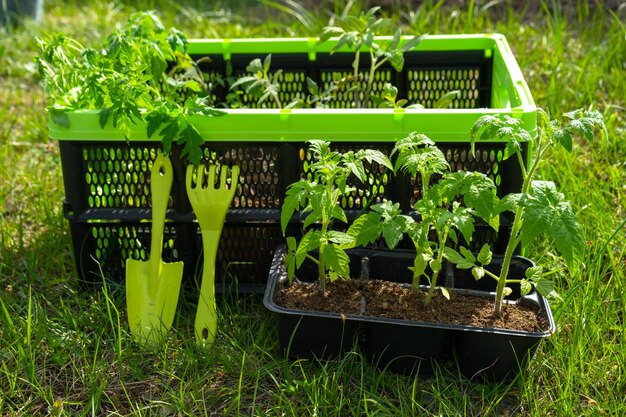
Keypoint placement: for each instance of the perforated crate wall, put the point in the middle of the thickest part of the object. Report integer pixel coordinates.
(243, 257)
(108, 202)
(425, 78)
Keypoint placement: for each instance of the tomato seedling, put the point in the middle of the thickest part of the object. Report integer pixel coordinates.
(444, 207)
(540, 209)
(318, 197)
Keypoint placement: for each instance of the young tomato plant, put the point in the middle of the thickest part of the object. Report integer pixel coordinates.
(388, 99)
(358, 33)
(319, 196)
(140, 72)
(539, 208)
(448, 206)
(261, 84)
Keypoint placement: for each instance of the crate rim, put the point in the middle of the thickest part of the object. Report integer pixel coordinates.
(349, 125)
(227, 46)
(300, 125)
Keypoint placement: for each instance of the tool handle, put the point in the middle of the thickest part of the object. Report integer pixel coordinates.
(161, 179)
(206, 316)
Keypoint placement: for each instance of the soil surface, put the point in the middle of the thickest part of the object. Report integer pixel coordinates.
(391, 300)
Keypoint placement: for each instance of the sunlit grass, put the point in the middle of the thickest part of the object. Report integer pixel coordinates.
(67, 351)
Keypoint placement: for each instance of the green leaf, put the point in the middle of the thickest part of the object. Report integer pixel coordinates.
(267, 63)
(344, 240)
(339, 214)
(154, 122)
(418, 233)
(506, 128)
(509, 202)
(534, 273)
(396, 59)
(467, 254)
(395, 42)
(456, 258)
(157, 67)
(243, 81)
(412, 141)
(427, 160)
(585, 122)
(478, 272)
(446, 100)
(312, 86)
(356, 167)
(309, 242)
(337, 260)
(103, 116)
(371, 12)
(525, 287)
(546, 211)
(546, 288)
(317, 200)
(366, 229)
(60, 117)
(392, 232)
(461, 218)
(329, 32)
(312, 218)
(435, 265)
(512, 148)
(412, 43)
(169, 133)
(485, 255)
(290, 258)
(368, 39)
(564, 138)
(373, 155)
(420, 263)
(191, 141)
(255, 66)
(479, 194)
(345, 39)
(295, 198)
(445, 293)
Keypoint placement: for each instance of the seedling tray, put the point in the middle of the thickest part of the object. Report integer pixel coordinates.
(106, 176)
(405, 346)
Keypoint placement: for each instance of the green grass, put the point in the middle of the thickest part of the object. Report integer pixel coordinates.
(67, 351)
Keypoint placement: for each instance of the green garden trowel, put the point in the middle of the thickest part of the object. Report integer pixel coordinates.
(152, 286)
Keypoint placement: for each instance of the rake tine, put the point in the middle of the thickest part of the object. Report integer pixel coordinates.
(234, 173)
(211, 180)
(223, 175)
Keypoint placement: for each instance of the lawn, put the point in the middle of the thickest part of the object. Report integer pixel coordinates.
(65, 350)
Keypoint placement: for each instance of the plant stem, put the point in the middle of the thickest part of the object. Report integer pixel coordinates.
(277, 100)
(325, 220)
(370, 79)
(433, 282)
(355, 75)
(515, 238)
(508, 255)
(491, 275)
(322, 270)
(355, 64)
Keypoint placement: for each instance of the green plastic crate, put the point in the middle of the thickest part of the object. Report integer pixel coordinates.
(107, 177)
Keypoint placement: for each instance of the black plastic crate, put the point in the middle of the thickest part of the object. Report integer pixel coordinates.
(107, 177)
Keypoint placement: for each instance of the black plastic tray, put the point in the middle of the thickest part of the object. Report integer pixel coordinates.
(401, 345)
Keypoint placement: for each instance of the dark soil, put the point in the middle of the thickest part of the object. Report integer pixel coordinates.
(391, 300)
(344, 297)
